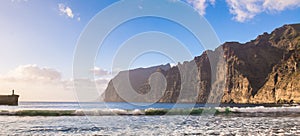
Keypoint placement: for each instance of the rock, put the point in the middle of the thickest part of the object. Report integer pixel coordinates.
(264, 70)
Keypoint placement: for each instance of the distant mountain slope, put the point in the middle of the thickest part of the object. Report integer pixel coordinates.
(264, 70)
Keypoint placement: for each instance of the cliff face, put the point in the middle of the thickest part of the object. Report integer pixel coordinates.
(282, 84)
(264, 70)
(137, 79)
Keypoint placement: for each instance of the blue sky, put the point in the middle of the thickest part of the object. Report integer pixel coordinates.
(42, 35)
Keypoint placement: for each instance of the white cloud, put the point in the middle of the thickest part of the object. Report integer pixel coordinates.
(19, 0)
(99, 71)
(280, 5)
(85, 88)
(65, 10)
(33, 72)
(212, 2)
(244, 10)
(201, 5)
(34, 83)
(173, 64)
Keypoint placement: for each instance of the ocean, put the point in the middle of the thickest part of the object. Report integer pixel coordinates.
(72, 118)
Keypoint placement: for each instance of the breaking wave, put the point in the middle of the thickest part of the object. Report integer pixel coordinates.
(150, 111)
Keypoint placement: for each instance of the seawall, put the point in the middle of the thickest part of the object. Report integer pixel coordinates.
(9, 99)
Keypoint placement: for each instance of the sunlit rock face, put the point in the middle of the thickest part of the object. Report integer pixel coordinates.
(264, 70)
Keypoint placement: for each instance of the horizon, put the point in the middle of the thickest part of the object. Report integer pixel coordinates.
(39, 40)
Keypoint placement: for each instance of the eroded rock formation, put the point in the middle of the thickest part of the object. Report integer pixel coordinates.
(264, 70)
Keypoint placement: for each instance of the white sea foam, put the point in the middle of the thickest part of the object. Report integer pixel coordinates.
(158, 111)
(262, 109)
(78, 112)
(103, 112)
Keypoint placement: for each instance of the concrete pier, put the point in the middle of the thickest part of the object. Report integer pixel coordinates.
(9, 99)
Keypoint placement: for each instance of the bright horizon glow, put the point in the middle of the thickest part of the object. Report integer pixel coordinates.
(38, 39)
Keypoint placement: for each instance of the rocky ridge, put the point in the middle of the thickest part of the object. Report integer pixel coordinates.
(264, 70)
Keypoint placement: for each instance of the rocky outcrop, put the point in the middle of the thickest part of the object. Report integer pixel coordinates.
(137, 79)
(264, 70)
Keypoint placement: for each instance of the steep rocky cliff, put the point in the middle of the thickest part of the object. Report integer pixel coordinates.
(138, 80)
(264, 70)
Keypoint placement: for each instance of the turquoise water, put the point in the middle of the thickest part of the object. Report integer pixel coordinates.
(114, 105)
(250, 121)
(101, 105)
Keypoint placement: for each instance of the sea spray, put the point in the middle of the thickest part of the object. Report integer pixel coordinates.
(148, 112)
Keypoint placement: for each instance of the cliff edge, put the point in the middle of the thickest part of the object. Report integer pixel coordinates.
(264, 70)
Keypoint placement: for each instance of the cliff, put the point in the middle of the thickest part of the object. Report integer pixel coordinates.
(138, 80)
(264, 70)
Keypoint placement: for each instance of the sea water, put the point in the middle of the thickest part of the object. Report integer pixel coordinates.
(247, 121)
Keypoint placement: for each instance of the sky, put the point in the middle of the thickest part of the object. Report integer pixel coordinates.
(38, 39)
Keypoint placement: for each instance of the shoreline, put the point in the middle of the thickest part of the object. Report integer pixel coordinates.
(154, 111)
(219, 104)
